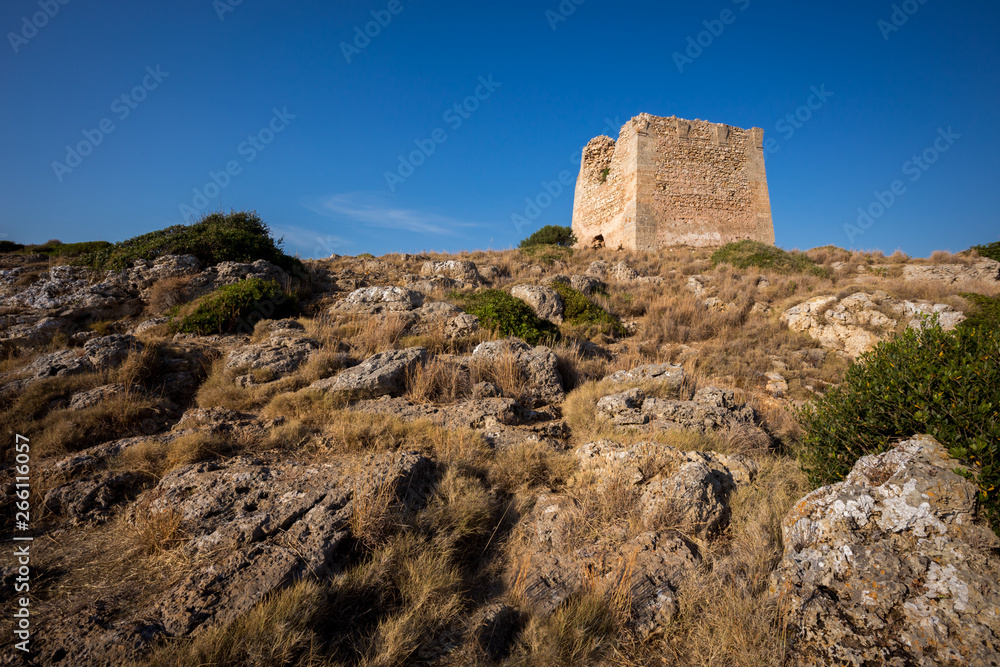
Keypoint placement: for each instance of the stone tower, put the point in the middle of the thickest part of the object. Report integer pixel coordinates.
(669, 181)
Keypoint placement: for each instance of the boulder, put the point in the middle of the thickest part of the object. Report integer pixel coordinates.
(712, 408)
(461, 270)
(462, 326)
(855, 324)
(285, 349)
(985, 270)
(890, 567)
(539, 365)
(545, 301)
(383, 374)
(378, 300)
(665, 375)
(273, 524)
(675, 493)
(71, 292)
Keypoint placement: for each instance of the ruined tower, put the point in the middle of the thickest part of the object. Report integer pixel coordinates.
(669, 181)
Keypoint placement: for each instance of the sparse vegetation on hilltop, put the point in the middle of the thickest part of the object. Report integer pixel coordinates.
(990, 250)
(508, 316)
(746, 254)
(243, 304)
(239, 236)
(550, 235)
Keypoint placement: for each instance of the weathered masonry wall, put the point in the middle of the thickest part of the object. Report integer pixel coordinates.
(669, 181)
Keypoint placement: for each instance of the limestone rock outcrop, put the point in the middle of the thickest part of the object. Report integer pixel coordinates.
(855, 324)
(889, 567)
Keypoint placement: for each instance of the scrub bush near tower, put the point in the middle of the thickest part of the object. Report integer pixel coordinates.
(945, 384)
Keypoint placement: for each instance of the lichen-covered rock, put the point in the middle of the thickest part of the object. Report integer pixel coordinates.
(278, 522)
(383, 374)
(462, 326)
(285, 349)
(855, 324)
(711, 409)
(676, 494)
(377, 300)
(985, 269)
(457, 269)
(71, 292)
(545, 301)
(31, 330)
(539, 365)
(889, 567)
(91, 397)
(230, 273)
(93, 498)
(666, 375)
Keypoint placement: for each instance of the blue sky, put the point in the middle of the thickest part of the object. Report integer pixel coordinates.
(177, 109)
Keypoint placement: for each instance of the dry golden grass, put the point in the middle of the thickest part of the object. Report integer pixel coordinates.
(167, 293)
(503, 371)
(438, 381)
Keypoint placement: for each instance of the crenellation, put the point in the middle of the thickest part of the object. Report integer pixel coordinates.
(670, 181)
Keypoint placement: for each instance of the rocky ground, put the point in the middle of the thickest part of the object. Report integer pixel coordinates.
(381, 481)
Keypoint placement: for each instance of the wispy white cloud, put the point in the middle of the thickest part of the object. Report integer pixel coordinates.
(309, 243)
(373, 210)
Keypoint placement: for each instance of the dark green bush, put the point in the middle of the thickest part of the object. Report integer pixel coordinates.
(746, 254)
(991, 250)
(10, 246)
(240, 236)
(985, 311)
(238, 307)
(508, 316)
(581, 311)
(944, 384)
(550, 235)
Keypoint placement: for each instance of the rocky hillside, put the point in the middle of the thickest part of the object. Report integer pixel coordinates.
(528, 457)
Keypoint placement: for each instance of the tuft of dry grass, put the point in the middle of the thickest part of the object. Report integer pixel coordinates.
(438, 381)
(167, 293)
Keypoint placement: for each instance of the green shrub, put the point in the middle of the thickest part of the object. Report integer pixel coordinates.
(550, 235)
(238, 307)
(581, 311)
(10, 246)
(944, 384)
(508, 315)
(746, 254)
(985, 311)
(239, 236)
(991, 250)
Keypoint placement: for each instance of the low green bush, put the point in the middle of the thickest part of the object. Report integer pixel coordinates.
(10, 246)
(745, 254)
(944, 384)
(985, 311)
(991, 250)
(507, 315)
(240, 236)
(237, 307)
(581, 311)
(550, 235)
